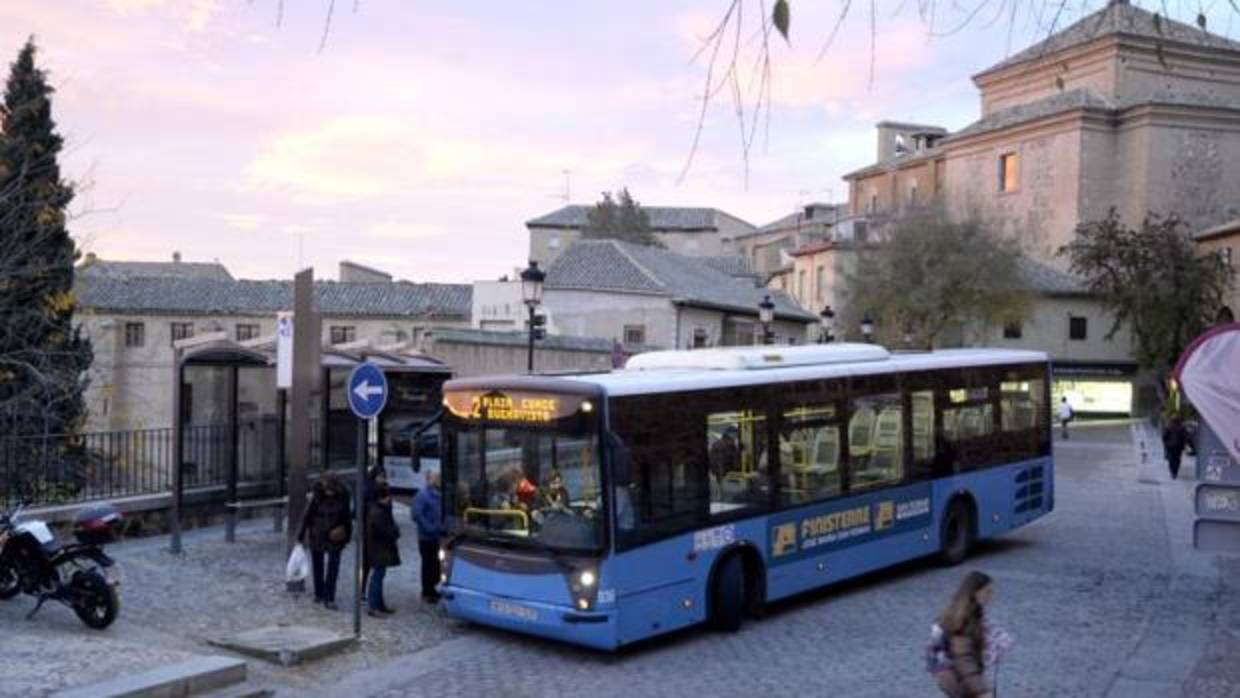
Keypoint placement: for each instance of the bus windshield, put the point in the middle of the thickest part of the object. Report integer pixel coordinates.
(539, 484)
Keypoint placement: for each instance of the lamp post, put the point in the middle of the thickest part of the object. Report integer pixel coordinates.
(531, 292)
(867, 328)
(766, 315)
(827, 320)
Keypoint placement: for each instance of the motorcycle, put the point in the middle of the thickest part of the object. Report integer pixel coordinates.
(79, 575)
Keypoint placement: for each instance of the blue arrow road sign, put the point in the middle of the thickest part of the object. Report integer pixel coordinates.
(367, 390)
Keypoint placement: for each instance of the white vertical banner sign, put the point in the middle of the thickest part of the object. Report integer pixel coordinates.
(284, 350)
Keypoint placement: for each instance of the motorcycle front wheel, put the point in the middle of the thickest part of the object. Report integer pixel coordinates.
(9, 583)
(96, 601)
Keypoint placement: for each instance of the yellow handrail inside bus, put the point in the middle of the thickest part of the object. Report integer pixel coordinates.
(507, 513)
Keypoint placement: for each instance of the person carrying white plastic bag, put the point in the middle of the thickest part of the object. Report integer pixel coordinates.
(297, 570)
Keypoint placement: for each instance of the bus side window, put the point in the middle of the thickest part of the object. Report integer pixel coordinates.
(809, 455)
(879, 459)
(739, 468)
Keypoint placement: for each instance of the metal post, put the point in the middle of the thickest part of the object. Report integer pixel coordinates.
(281, 463)
(174, 525)
(530, 358)
(234, 457)
(358, 526)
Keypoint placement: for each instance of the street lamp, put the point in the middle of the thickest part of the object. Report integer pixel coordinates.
(766, 315)
(827, 319)
(531, 292)
(867, 328)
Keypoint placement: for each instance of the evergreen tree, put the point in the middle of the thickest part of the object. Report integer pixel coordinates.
(43, 357)
(620, 220)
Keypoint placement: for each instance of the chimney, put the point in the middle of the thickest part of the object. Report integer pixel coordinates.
(176, 257)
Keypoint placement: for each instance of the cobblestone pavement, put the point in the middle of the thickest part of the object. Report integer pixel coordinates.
(1104, 598)
(172, 605)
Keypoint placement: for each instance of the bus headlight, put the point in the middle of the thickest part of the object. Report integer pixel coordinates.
(583, 604)
(586, 579)
(443, 555)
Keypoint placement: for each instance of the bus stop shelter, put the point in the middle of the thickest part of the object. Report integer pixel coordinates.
(233, 428)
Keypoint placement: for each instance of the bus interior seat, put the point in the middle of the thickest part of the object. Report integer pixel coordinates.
(826, 449)
(861, 432)
(888, 444)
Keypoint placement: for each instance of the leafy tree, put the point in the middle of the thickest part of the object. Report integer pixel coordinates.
(930, 276)
(1153, 281)
(43, 358)
(620, 218)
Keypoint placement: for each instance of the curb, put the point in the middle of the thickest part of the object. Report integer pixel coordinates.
(181, 679)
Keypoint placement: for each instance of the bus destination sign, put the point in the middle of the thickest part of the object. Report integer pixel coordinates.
(514, 407)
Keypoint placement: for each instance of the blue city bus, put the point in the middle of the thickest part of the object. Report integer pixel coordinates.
(696, 486)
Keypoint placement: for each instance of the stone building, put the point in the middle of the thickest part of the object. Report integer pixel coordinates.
(767, 249)
(642, 295)
(697, 232)
(133, 312)
(1118, 110)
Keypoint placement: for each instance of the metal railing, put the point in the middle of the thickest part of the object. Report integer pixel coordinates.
(64, 469)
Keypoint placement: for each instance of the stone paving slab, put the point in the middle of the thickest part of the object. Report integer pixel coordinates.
(286, 644)
(191, 677)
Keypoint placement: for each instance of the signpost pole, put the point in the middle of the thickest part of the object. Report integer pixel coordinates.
(359, 531)
(367, 393)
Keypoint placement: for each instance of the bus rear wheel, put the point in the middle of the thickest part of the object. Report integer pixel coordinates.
(956, 536)
(728, 595)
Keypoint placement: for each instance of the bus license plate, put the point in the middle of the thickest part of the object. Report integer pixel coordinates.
(512, 610)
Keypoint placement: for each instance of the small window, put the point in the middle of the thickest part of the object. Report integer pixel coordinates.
(1009, 163)
(246, 331)
(554, 243)
(1078, 328)
(700, 337)
(634, 334)
(135, 334)
(343, 334)
(873, 203)
(820, 283)
(912, 195)
(1226, 254)
(182, 330)
(1012, 329)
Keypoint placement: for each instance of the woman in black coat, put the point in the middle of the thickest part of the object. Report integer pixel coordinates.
(381, 536)
(326, 529)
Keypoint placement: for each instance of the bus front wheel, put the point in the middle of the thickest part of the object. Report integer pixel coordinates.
(728, 595)
(957, 534)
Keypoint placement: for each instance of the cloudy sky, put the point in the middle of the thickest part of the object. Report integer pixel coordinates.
(426, 133)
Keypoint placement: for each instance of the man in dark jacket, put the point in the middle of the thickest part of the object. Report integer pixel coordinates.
(381, 536)
(326, 529)
(1174, 438)
(428, 515)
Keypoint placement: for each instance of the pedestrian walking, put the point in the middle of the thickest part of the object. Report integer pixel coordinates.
(428, 515)
(381, 536)
(325, 529)
(1175, 439)
(963, 629)
(1064, 415)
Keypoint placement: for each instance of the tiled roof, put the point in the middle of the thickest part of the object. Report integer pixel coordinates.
(610, 265)
(661, 218)
(732, 265)
(1229, 228)
(1083, 98)
(1118, 18)
(898, 160)
(520, 338)
(99, 268)
(1043, 278)
(209, 296)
